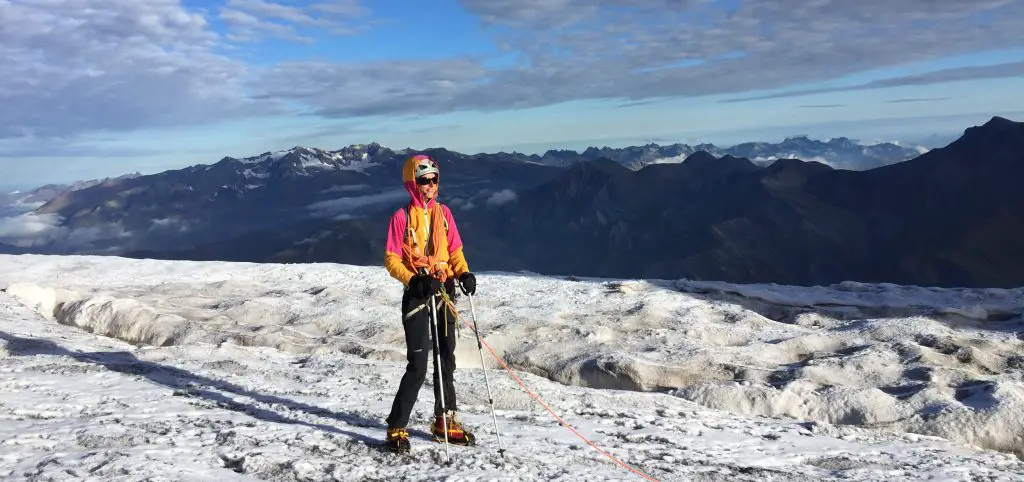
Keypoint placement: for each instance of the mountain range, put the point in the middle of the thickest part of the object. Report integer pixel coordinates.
(951, 217)
(18, 202)
(839, 152)
(754, 212)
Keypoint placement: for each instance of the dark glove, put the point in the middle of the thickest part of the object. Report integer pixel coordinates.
(423, 285)
(468, 282)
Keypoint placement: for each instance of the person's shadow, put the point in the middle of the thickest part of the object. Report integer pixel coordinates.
(186, 383)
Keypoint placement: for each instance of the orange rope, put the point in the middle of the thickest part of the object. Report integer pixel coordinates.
(537, 398)
(435, 267)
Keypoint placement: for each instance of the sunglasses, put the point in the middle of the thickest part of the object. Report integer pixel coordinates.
(423, 181)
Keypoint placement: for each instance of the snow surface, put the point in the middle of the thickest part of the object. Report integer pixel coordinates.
(121, 369)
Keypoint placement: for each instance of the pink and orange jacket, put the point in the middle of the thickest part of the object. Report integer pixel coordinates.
(399, 231)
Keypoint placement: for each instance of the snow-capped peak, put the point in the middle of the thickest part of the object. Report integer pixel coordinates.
(303, 160)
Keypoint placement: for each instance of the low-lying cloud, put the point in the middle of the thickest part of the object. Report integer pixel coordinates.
(346, 188)
(174, 225)
(504, 196)
(31, 230)
(13, 205)
(343, 207)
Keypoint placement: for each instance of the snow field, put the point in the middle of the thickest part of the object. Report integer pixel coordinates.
(942, 363)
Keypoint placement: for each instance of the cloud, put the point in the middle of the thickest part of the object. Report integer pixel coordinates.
(670, 160)
(252, 20)
(11, 206)
(636, 103)
(820, 106)
(39, 230)
(364, 89)
(86, 66)
(31, 229)
(504, 196)
(444, 127)
(74, 67)
(634, 51)
(173, 224)
(829, 163)
(346, 188)
(345, 205)
(915, 99)
(1003, 70)
(583, 49)
(25, 150)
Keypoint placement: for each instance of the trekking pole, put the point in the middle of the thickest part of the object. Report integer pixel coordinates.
(480, 349)
(440, 375)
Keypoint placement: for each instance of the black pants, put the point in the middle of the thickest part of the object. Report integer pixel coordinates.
(418, 343)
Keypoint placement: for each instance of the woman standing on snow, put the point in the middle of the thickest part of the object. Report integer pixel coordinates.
(424, 252)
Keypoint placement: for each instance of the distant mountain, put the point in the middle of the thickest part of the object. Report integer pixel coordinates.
(840, 153)
(23, 201)
(300, 161)
(280, 191)
(949, 217)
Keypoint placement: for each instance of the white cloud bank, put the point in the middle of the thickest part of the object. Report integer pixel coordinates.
(30, 229)
(39, 230)
(346, 207)
(504, 196)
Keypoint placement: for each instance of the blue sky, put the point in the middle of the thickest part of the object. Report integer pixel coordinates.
(150, 85)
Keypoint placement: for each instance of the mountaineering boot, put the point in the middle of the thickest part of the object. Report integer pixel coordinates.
(457, 434)
(397, 440)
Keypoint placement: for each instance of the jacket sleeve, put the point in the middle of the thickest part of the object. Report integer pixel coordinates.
(456, 258)
(393, 249)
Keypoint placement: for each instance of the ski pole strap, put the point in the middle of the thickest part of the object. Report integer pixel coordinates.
(415, 310)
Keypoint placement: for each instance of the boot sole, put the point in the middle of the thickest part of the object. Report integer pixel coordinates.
(469, 441)
(394, 450)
